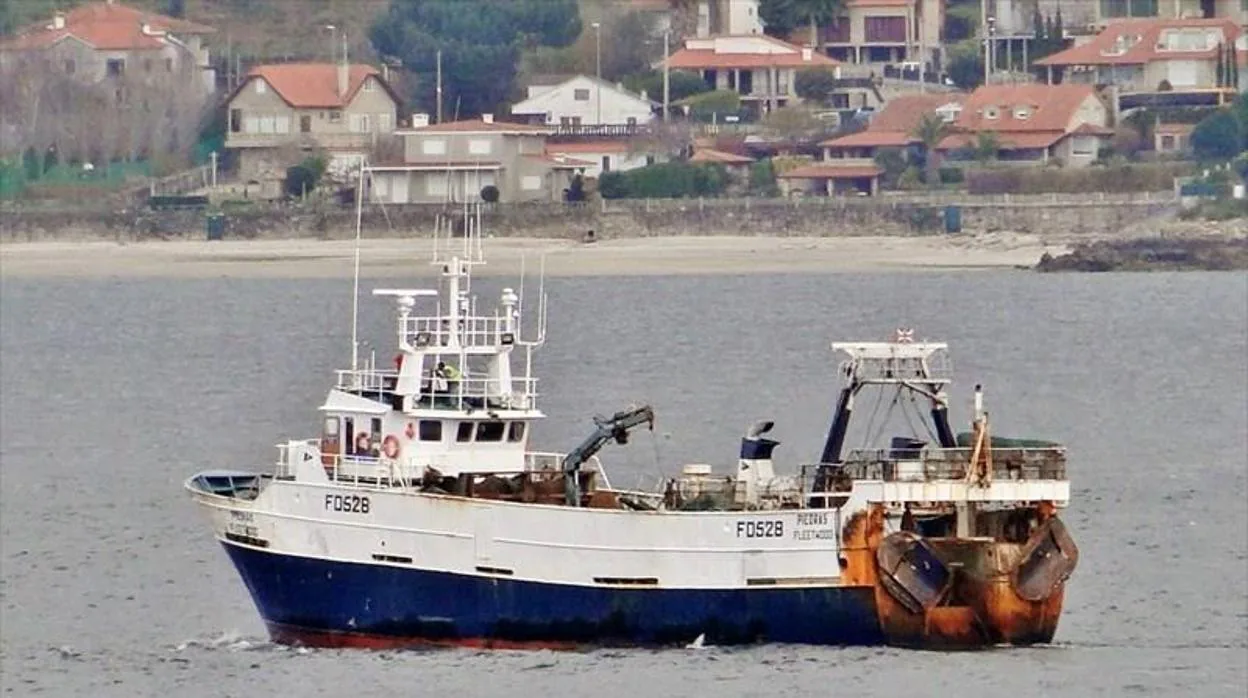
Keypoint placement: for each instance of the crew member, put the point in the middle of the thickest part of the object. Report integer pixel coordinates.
(450, 375)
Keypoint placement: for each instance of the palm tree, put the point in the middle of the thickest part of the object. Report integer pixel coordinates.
(930, 131)
(987, 143)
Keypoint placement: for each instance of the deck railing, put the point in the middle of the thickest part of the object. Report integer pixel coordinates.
(474, 331)
(946, 464)
(475, 390)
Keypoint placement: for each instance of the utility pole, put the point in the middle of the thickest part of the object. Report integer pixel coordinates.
(439, 68)
(667, 76)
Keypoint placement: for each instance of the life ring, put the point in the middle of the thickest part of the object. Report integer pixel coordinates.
(410, 430)
(390, 446)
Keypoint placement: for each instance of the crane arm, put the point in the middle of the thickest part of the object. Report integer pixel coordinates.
(615, 427)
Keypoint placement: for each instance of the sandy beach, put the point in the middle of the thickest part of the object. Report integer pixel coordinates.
(507, 256)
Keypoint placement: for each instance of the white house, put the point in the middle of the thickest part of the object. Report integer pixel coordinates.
(584, 101)
(598, 156)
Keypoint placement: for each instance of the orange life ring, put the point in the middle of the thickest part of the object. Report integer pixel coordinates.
(390, 446)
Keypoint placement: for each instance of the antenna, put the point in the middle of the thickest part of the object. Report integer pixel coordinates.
(355, 291)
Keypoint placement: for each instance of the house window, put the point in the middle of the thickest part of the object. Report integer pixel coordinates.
(69, 67)
(282, 124)
(236, 120)
(1083, 147)
(168, 65)
(430, 430)
(435, 184)
(261, 87)
(491, 431)
(368, 85)
(305, 123)
(147, 65)
(359, 123)
(991, 113)
(268, 124)
(335, 116)
(479, 146)
(1021, 113)
(383, 123)
(433, 146)
(531, 182)
(464, 433)
(115, 67)
(569, 121)
(606, 163)
(1167, 142)
(581, 94)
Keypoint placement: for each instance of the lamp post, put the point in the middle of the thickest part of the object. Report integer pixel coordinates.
(598, 73)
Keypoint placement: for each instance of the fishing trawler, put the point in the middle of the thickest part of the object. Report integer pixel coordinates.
(420, 516)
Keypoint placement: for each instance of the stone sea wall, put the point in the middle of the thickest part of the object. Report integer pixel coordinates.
(1044, 215)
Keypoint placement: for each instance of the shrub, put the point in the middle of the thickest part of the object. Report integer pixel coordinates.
(911, 178)
(952, 175)
(763, 179)
(714, 104)
(815, 84)
(1218, 136)
(665, 180)
(1111, 178)
(304, 177)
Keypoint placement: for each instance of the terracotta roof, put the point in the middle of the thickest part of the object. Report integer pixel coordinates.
(311, 85)
(829, 169)
(773, 53)
(1174, 129)
(1086, 129)
(1104, 48)
(1048, 107)
(872, 139)
(896, 123)
(480, 126)
(588, 147)
(719, 156)
(105, 27)
(561, 162)
(1009, 141)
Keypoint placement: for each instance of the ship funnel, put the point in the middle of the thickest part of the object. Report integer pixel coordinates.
(754, 468)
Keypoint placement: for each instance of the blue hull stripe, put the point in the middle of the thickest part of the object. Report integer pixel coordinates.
(323, 596)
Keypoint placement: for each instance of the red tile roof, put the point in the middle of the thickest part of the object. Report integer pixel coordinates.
(106, 27)
(830, 169)
(1008, 141)
(1048, 107)
(480, 126)
(312, 85)
(872, 139)
(770, 53)
(1118, 43)
(895, 125)
(588, 147)
(719, 156)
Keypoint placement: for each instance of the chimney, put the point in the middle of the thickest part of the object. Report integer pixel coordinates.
(487, 118)
(807, 54)
(343, 74)
(58, 20)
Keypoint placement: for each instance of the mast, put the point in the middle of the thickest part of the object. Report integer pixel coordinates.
(355, 291)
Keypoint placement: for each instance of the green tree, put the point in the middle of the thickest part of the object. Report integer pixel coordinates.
(781, 17)
(681, 84)
(966, 65)
(480, 41)
(628, 45)
(893, 162)
(714, 105)
(304, 177)
(763, 179)
(1220, 136)
(815, 84)
(930, 131)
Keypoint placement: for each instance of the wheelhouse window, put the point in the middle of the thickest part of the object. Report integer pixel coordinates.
(464, 433)
(491, 431)
(430, 430)
(515, 431)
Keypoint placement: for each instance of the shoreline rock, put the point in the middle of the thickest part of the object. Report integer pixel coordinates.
(1152, 254)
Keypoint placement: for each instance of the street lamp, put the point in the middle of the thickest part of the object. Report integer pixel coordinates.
(598, 72)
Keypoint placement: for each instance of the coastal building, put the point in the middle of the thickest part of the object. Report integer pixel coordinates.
(1032, 124)
(602, 155)
(894, 126)
(584, 101)
(1169, 139)
(454, 161)
(761, 69)
(1150, 55)
(281, 113)
(1109, 11)
(845, 177)
(730, 17)
(101, 42)
(878, 32)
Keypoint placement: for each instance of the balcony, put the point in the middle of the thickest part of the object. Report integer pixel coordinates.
(333, 141)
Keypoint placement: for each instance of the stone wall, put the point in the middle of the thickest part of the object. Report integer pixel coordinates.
(617, 219)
